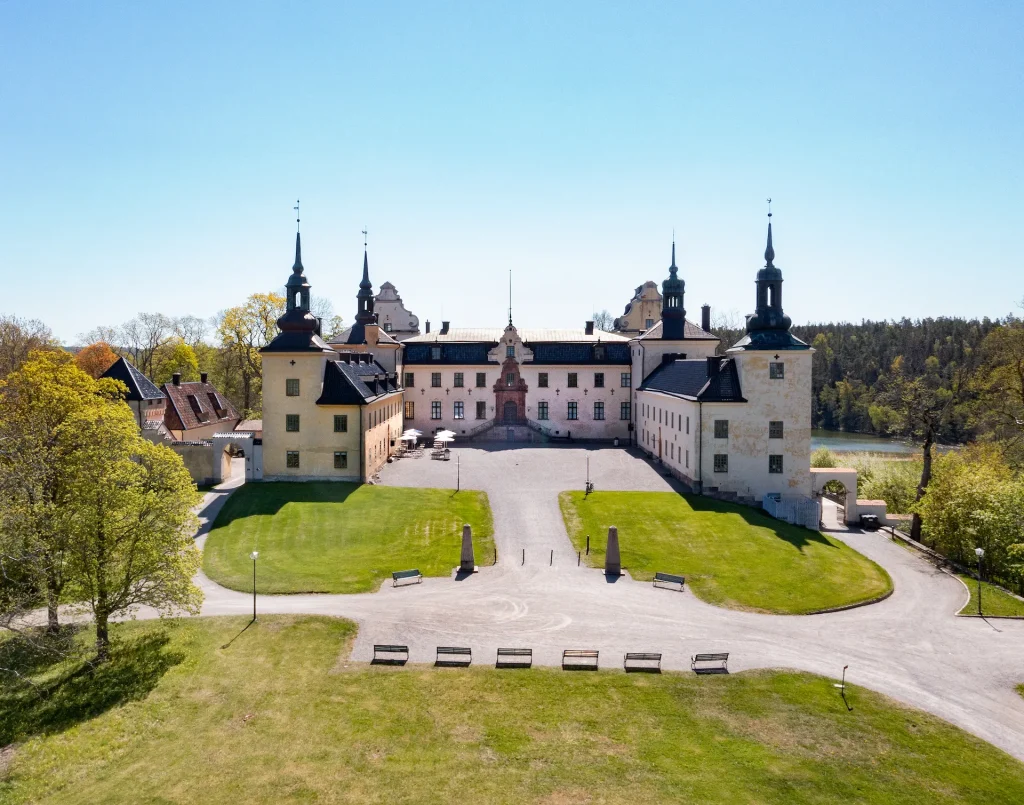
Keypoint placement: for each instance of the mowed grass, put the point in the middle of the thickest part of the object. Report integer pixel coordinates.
(341, 538)
(731, 555)
(198, 710)
(994, 601)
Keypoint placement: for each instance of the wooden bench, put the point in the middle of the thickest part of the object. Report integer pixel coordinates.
(514, 658)
(710, 663)
(401, 575)
(454, 656)
(579, 659)
(390, 655)
(642, 661)
(665, 579)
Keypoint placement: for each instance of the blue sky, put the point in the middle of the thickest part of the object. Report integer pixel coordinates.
(151, 154)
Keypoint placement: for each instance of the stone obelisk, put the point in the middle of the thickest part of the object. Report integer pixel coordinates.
(612, 560)
(467, 564)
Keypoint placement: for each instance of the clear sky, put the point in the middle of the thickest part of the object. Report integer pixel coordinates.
(151, 154)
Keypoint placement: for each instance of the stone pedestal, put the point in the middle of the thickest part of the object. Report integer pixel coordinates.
(612, 560)
(467, 563)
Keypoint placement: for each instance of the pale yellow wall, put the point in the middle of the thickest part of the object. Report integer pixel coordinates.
(383, 424)
(640, 310)
(199, 461)
(661, 429)
(787, 400)
(316, 440)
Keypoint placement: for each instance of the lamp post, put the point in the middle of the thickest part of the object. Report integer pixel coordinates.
(980, 553)
(253, 556)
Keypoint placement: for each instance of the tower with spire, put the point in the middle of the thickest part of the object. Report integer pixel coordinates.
(364, 311)
(673, 315)
(768, 326)
(297, 316)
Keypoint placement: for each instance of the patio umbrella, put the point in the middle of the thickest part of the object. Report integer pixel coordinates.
(444, 436)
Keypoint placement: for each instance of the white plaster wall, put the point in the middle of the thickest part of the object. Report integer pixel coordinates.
(667, 428)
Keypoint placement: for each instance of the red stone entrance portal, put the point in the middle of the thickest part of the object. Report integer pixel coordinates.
(510, 395)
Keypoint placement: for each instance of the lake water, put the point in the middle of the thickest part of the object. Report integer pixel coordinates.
(840, 442)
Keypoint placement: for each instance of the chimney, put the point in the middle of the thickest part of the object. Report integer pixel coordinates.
(714, 364)
(428, 327)
(589, 328)
(176, 378)
(705, 318)
(444, 328)
(668, 357)
(203, 377)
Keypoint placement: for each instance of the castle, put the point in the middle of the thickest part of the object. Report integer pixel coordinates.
(737, 424)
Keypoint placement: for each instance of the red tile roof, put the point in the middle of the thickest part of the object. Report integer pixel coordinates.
(194, 405)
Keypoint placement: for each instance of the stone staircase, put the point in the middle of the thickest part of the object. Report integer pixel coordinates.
(501, 432)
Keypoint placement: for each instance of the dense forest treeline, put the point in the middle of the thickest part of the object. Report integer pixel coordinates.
(853, 361)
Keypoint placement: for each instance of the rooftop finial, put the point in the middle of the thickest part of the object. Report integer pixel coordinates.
(510, 297)
(672, 268)
(364, 238)
(769, 252)
(296, 208)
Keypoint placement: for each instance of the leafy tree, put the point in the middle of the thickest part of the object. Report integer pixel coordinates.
(1000, 387)
(96, 358)
(333, 326)
(40, 404)
(243, 332)
(175, 357)
(920, 407)
(975, 501)
(132, 521)
(19, 337)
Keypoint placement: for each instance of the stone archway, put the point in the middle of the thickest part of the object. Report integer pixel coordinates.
(847, 477)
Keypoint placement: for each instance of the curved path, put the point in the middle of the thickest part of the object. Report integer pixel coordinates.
(910, 646)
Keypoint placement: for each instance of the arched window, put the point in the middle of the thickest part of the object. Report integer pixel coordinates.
(771, 296)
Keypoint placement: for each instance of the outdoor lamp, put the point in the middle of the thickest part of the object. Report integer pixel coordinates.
(979, 552)
(253, 556)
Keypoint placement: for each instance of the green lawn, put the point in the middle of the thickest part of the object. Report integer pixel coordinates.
(341, 538)
(994, 601)
(731, 555)
(198, 710)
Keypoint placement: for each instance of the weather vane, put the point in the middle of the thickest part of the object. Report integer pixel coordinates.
(769, 207)
(364, 238)
(296, 208)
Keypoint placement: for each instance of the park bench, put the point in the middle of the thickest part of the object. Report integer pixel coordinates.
(401, 575)
(664, 579)
(642, 661)
(389, 655)
(514, 658)
(710, 663)
(579, 659)
(454, 656)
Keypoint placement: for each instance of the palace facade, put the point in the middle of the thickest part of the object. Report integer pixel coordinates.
(735, 424)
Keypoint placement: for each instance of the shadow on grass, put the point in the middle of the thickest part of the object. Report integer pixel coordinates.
(269, 498)
(233, 639)
(75, 690)
(797, 536)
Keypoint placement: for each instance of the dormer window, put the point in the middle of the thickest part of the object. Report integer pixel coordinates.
(510, 351)
(649, 324)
